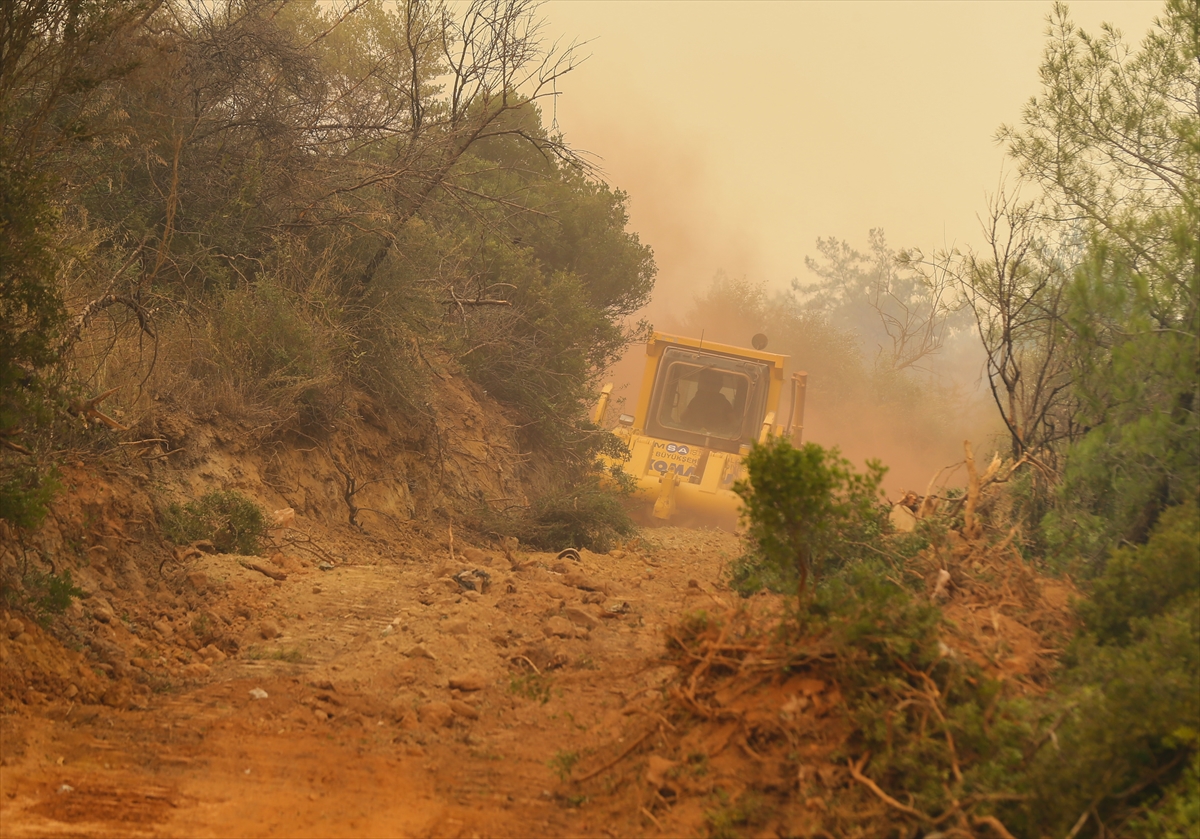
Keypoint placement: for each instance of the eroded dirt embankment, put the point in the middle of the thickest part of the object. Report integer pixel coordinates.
(397, 703)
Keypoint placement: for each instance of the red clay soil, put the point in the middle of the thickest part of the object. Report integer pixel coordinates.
(396, 702)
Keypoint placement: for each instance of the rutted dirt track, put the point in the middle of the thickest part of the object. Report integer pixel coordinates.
(397, 703)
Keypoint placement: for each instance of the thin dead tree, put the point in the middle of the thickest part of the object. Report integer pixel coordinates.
(1016, 291)
(495, 64)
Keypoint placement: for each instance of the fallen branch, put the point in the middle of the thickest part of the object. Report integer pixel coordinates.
(994, 823)
(628, 751)
(856, 774)
(262, 569)
(528, 661)
(9, 444)
(650, 816)
(87, 409)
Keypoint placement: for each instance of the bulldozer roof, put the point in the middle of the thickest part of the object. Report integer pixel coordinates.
(775, 359)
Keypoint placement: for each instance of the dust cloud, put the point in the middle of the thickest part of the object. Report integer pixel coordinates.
(743, 131)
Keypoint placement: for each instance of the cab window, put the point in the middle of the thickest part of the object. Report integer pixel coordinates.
(709, 400)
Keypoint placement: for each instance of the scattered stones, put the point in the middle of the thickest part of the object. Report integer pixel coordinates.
(268, 629)
(656, 771)
(198, 580)
(117, 695)
(258, 693)
(212, 653)
(582, 582)
(14, 627)
(325, 566)
(462, 709)
(559, 626)
(101, 611)
(476, 556)
(581, 618)
(196, 670)
(473, 579)
(470, 681)
(420, 651)
(435, 714)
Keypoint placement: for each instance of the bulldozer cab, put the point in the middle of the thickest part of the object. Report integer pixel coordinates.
(701, 407)
(690, 388)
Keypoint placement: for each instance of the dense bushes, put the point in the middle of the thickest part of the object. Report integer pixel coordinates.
(343, 230)
(1115, 740)
(1131, 693)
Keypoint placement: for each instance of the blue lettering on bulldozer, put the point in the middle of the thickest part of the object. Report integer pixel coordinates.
(661, 467)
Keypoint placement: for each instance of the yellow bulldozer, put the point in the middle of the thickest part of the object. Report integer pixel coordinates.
(700, 408)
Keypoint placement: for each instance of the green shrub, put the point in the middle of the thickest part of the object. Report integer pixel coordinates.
(731, 820)
(892, 666)
(1142, 582)
(586, 514)
(228, 519)
(1130, 727)
(44, 595)
(1177, 814)
(276, 348)
(562, 763)
(805, 508)
(535, 686)
(25, 495)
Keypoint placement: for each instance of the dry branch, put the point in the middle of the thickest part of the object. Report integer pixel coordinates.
(971, 528)
(628, 751)
(87, 409)
(856, 774)
(262, 569)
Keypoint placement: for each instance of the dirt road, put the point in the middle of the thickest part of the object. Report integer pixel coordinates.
(391, 701)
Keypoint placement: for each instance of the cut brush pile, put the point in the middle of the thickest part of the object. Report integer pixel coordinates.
(894, 703)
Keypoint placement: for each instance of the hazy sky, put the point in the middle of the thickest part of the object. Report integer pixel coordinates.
(744, 130)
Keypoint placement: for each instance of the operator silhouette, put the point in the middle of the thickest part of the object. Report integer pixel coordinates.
(709, 410)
